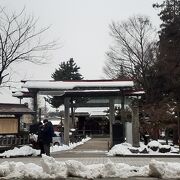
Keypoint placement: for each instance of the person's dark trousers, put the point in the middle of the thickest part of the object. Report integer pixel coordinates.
(41, 146)
(47, 149)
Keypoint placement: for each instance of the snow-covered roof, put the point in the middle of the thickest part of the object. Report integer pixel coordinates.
(86, 88)
(138, 92)
(100, 111)
(55, 122)
(8, 108)
(75, 84)
(18, 93)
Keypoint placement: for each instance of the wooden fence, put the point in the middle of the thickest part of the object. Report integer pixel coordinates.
(14, 141)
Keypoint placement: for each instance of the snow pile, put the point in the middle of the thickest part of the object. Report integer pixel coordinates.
(29, 151)
(153, 148)
(52, 169)
(19, 170)
(154, 144)
(22, 151)
(164, 170)
(120, 149)
(109, 169)
(66, 147)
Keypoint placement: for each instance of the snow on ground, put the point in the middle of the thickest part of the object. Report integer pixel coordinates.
(29, 151)
(119, 149)
(127, 149)
(71, 145)
(51, 169)
(22, 151)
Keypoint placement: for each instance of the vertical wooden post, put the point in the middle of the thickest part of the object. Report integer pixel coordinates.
(72, 114)
(35, 107)
(123, 114)
(39, 114)
(135, 124)
(111, 118)
(179, 128)
(66, 120)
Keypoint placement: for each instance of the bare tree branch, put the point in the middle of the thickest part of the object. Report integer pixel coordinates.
(20, 41)
(132, 52)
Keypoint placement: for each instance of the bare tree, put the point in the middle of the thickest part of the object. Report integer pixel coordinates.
(20, 41)
(133, 50)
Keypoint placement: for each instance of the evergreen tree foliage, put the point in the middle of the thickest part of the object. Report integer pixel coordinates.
(67, 71)
(164, 76)
(168, 66)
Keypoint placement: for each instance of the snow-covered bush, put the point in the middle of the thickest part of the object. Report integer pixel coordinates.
(164, 148)
(154, 145)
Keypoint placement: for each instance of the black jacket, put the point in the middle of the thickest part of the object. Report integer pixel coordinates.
(48, 133)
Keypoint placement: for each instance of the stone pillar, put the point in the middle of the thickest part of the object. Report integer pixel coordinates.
(66, 120)
(128, 133)
(135, 124)
(111, 118)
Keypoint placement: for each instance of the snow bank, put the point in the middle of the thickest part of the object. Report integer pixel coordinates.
(29, 151)
(19, 170)
(22, 151)
(153, 148)
(71, 145)
(164, 170)
(109, 169)
(52, 169)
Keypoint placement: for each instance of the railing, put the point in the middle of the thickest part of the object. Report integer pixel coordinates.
(14, 141)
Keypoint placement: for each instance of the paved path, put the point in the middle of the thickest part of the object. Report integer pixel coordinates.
(96, 147)
(100, 144)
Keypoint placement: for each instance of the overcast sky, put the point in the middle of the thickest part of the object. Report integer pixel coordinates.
(81, 27)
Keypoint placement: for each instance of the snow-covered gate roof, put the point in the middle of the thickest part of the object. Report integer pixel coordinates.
(83, 84)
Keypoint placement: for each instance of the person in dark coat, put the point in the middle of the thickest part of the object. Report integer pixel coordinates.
(48, 133)
(40, 138)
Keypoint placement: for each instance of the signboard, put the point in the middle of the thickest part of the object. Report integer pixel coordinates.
(27, 118)
(9, 125)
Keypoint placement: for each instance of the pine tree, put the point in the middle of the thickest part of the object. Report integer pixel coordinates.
(166, 83)
(67, 71)
(169, 47)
